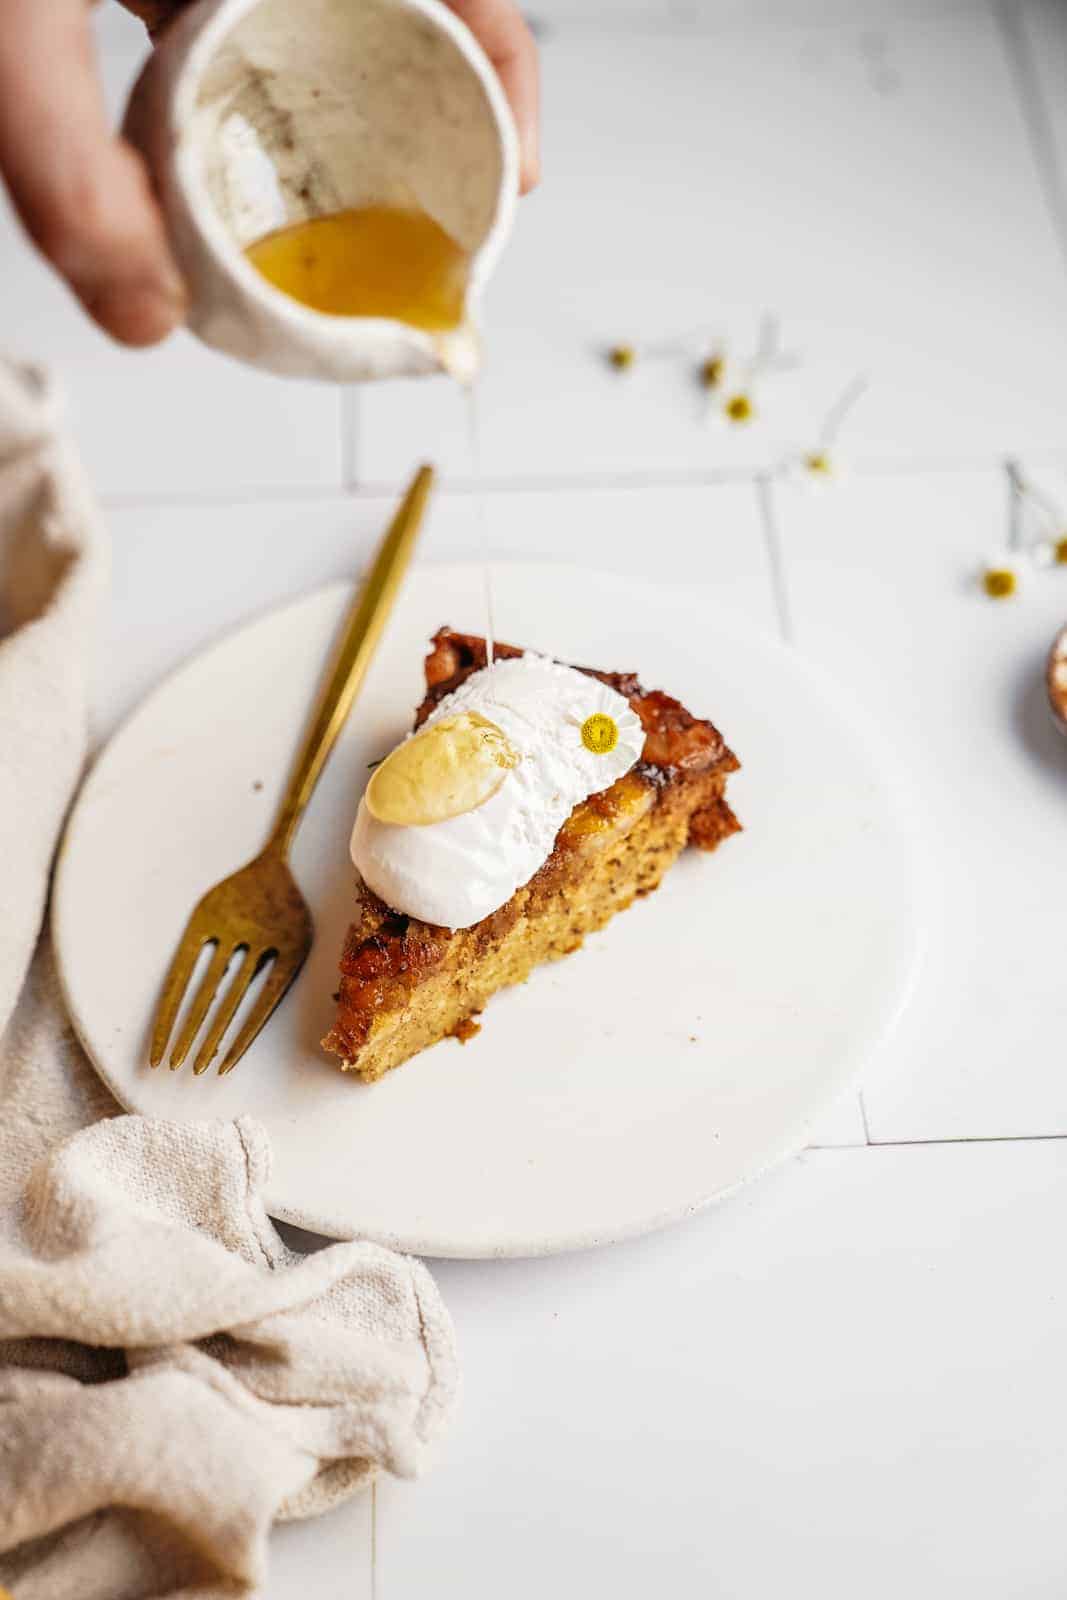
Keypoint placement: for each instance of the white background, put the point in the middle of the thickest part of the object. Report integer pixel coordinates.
(849, 1379)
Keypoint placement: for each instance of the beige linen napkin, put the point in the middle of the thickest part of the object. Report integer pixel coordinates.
(172, 1376)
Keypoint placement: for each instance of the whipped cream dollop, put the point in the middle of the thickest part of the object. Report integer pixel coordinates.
(573, 735)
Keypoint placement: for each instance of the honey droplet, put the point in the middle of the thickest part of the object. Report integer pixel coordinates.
(449, 768)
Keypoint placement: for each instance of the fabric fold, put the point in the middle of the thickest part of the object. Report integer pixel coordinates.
(173, 1378)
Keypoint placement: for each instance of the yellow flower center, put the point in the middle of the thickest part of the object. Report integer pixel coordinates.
(739, 408)
(999, 582)
(600, 733)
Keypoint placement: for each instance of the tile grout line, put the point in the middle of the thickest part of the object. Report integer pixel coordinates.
(1033, 107)
(349, 422)
(935, 1143)
(772, 541)
(291, 494)
(772, 545)
(716, 477)
(969, 1138)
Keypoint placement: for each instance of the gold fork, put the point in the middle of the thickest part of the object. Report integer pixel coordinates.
(259, 910)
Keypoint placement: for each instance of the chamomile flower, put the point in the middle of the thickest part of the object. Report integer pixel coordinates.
(622, 357)
(608, 736)
(1051, 552)
(1001, 576)
(712, 371)
(739, 408)
(820, 465)
(815, 471)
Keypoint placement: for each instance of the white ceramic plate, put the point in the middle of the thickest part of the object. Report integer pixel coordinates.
(688, 1046)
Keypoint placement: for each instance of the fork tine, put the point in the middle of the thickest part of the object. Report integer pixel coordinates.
(220, 960)
(253, 961)
(174, 985)
(270, 997)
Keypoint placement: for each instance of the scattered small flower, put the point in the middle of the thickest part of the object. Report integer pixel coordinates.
(739, 408)
(1051, 552)
(1035, 522)
(1000, 579)
(622, 357)
(821, 464)
(712, 371)
(1043, 555)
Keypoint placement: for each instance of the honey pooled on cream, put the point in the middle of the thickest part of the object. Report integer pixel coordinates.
(518, 746)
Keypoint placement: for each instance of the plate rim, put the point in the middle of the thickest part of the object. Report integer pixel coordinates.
(890, 775)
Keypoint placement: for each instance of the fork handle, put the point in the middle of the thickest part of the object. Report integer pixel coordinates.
(355, 651)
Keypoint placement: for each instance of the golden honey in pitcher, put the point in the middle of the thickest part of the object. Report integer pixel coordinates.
(374, 261)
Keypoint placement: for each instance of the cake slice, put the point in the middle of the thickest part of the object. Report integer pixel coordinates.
(405, 983)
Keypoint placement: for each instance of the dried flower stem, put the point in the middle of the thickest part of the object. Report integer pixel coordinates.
(841, 410)
(1016, 497)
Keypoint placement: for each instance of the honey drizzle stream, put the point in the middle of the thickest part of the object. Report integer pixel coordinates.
(474, 440)
(387, 261)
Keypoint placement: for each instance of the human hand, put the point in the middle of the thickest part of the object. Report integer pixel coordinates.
(500, 29)
(83, 193)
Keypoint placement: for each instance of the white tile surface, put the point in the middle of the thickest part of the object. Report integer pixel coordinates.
(842, 1125)
(847, 1379)
(178, 420)
(1046, 27)
(850, 1376)
(184, 574)
(548, 13)
(698, 180)
(719, 14)
(881, 581)
(330, 1558)
(1039, 39)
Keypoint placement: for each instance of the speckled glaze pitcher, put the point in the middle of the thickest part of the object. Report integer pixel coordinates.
(257, 114)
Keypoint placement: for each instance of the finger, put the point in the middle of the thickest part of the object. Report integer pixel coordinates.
(155, 14)
(499, 27)
(82, 194)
